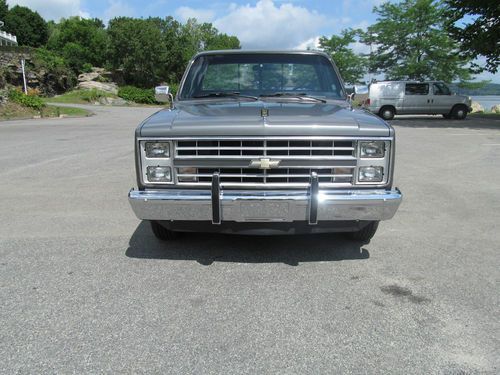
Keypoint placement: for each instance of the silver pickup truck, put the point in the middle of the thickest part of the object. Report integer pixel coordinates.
(263, 143)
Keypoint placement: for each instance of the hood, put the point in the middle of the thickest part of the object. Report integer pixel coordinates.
(241, 118)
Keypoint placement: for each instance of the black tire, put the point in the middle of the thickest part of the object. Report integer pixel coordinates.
(459, 112)
(387, 112)
(163, 233)
(365, 234)
(446, 116)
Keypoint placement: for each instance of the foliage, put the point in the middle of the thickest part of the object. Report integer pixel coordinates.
(92, 95)
(137, 95)
(30, 101)
(152, 50)
(481, 32)
(410, 41)
(80, 41)
(29, 27)
(4, 8)
(351, 65)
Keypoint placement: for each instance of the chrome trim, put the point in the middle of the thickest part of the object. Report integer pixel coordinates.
(265, 205)
(387, 162)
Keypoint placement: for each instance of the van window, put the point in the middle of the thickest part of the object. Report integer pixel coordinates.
(417, 89)
(441, 89)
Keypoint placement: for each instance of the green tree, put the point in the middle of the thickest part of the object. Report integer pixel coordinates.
(351, 65)
(410, 41)
(4, 8)
(29, 27)
(79, 41)
(137, 47)
(480, 34)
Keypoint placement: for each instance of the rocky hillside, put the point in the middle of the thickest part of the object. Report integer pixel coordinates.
(43, 72)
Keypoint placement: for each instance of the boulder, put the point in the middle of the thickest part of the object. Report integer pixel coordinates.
(110, 87)
(476, 107)
(112, 101)
(87, 77)
(496, 108)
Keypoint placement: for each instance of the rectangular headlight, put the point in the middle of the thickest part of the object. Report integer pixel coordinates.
(371, 174)
(157, 149)
(159, 174)
(372, 149)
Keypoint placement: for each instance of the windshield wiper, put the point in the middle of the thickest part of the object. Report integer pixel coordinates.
(225, 95)
(299, 95)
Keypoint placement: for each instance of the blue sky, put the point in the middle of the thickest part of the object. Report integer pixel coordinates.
(264, 24)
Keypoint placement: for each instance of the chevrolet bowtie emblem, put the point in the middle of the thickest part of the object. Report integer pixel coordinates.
(265, 163)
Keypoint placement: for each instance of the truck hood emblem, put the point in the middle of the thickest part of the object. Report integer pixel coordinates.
(264, 163)
(264, 112)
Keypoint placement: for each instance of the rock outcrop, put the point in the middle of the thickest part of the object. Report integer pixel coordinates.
(476, 107)
(37, 77)
(496, 108)
(98, 79)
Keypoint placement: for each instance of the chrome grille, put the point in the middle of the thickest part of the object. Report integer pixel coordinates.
(254, 148)
(333, 160)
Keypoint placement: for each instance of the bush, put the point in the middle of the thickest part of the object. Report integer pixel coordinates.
(137, 95)
(30, 101)
(92, 95)
(86, 68)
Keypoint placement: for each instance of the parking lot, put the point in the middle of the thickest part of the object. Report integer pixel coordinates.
(86, 288)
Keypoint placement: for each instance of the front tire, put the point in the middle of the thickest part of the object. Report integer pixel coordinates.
(365, 234)
(163, 233)
(387, 113)
(459, 112)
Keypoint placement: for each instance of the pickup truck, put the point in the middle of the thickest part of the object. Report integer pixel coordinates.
(263, 142)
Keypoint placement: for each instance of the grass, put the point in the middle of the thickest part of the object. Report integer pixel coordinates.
(80, 97)
(14, 111)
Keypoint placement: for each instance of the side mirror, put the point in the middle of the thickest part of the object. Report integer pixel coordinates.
(162, 94)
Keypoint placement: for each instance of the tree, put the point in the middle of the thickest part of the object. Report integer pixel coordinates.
(79, 41)
(410, 41)
(137, 47)
(351, 65)
(480, 34)
(29, 27)
(4, 8)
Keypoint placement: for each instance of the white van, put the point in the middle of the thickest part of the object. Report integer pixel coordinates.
(387, 98)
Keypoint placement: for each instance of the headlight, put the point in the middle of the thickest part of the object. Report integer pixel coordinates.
(373, 149)
(159, 174)
(371, 174)
(157, 149)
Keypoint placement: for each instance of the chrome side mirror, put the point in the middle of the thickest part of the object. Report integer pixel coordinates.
(162, 94)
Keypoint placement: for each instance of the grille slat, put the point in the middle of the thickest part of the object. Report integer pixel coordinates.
(296, 149)
(326, 154)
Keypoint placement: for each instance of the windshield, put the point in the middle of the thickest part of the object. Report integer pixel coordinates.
(252, 74)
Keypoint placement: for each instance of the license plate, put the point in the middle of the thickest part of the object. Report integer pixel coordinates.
(262, 211)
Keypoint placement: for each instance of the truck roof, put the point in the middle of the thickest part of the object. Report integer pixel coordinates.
(250, 51)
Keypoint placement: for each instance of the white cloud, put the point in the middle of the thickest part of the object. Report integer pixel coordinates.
(53, 9)
(311, 43)
(117, 8)
(270, 26)
(202, 15)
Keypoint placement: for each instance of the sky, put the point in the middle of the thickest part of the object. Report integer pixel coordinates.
(260, 24)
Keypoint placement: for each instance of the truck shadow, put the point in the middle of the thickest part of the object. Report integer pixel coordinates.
(206, 248)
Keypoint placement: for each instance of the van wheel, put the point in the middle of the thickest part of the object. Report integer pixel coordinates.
(163, 233)
(459, 112)
(387, 113)
(365, 234)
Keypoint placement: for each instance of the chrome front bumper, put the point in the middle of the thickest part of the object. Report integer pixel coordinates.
(218, 205)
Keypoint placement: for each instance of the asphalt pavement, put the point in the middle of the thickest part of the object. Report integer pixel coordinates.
(86, 288)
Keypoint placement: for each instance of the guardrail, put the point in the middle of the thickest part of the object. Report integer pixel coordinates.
(7, 39)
